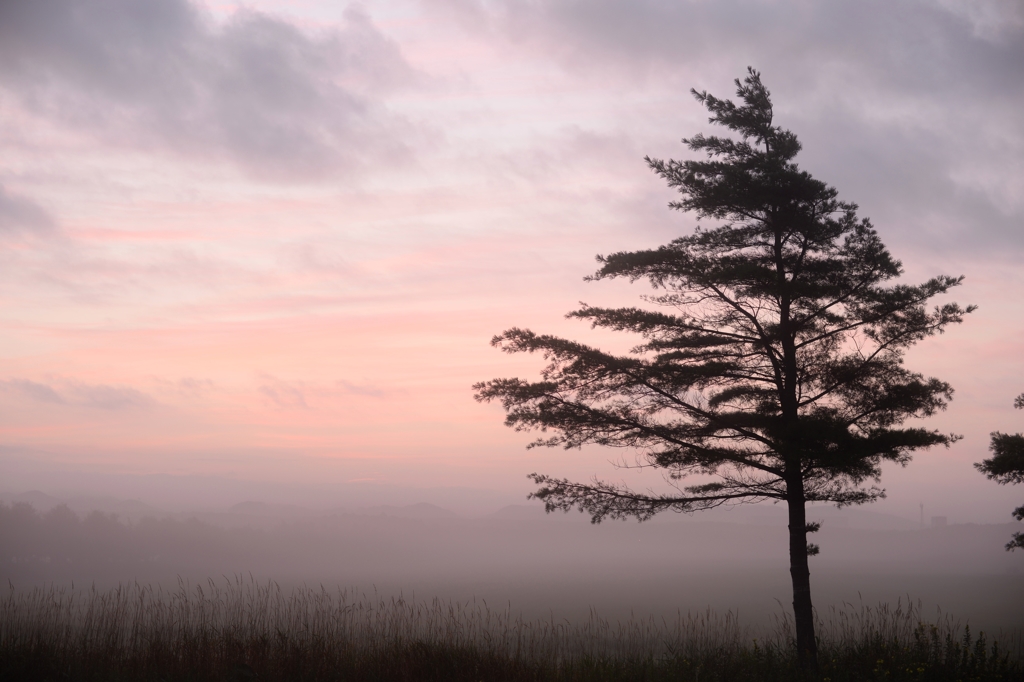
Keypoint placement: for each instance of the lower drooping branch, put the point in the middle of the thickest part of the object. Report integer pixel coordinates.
(604, 500)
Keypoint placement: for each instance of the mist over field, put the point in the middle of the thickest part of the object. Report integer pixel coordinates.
(517, 558)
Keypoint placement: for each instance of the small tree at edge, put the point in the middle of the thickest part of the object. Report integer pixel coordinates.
(1006, 465)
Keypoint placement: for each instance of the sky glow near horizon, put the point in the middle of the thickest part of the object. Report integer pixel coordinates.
(271, 242)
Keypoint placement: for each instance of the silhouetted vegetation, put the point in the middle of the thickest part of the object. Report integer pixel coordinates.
(241, 630)
(1006, 465)
(773, 361)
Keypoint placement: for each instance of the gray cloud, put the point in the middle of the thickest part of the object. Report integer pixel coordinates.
(281, 102)
(367, 390)
(918, 44)
(106, 397)
(100, 396)
(193, 385)
(284, 394)
(909, 108)
(22, 216)
(32, 390)
(296, 394)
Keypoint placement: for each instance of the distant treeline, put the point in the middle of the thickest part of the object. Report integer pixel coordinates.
(58, 544)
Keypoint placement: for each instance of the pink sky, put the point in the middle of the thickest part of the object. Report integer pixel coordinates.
(272, 243)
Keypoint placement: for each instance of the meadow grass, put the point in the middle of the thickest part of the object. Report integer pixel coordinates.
(243, 630)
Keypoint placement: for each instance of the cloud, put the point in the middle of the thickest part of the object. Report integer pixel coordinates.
(896, 40)
(193, 385)
(909, 108)
(283, 394)
(32, 390)
(106, 397)
(189, 389)
(990, 19)
(99, 396)
(282, 103)
(360, 389)
(21, 216)
(296, 394)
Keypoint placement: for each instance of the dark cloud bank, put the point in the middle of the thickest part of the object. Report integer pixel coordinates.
(910, 108)
(283, 103)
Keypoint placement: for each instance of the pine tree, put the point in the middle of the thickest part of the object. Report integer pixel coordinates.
(1007, 466)
(770, 356)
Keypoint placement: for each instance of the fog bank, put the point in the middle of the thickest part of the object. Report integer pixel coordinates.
(519, 558)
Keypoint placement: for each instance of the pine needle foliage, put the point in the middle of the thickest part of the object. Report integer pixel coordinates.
(770, 356)
(1006, 465)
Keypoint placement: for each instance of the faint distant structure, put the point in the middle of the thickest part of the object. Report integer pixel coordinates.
(1006, 465)
(939, 521)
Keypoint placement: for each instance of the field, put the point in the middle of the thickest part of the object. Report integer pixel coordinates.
(96, 598)
(243, 630)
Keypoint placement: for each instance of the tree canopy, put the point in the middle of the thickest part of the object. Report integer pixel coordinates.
(1006, 465)
(770, 355)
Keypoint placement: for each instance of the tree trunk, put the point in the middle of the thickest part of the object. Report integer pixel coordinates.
(803, 613)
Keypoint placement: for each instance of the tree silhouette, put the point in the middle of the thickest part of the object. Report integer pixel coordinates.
(774, 365)
(1007, 466)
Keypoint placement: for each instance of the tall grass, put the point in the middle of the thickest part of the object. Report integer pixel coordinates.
(243, 630)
